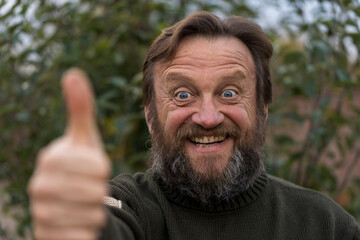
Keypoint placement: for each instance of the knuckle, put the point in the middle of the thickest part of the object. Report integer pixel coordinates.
(39, 186)
(53, 156)
(41, 232)
(41, 214)
(103, 168)
(47, 161)
(35, 186)
(47, 152)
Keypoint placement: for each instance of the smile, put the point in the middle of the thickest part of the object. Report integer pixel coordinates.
(207, 141)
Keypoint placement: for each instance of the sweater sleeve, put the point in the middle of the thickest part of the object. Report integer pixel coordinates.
(124, 211)
(116, 229)
(357, 234)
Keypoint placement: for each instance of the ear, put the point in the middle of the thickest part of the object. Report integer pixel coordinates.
(266, 113)
(147, 118)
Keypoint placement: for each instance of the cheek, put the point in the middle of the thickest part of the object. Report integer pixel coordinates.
(175, 118)
(240, 117)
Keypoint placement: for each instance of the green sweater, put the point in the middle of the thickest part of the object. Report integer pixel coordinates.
(271, 209)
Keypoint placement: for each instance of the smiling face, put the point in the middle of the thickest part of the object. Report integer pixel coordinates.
(209, 83)
(207, 133)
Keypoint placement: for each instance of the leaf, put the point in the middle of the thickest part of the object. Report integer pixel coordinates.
(119, 82)
(341, 75)
(284, 139)
(293, 56)
(8, 108)
(22, 116)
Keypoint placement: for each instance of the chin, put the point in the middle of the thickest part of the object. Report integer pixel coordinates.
(209, 167)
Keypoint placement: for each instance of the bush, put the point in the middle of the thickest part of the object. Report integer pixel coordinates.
(39, 40)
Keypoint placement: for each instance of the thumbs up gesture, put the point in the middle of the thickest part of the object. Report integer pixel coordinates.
(68, 184)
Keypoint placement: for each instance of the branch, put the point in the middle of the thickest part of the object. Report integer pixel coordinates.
(348, 173)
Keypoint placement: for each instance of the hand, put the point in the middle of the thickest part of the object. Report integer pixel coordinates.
(68, 185)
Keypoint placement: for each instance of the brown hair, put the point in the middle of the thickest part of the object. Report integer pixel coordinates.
(208, 25)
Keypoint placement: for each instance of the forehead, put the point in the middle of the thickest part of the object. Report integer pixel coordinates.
(215, 54)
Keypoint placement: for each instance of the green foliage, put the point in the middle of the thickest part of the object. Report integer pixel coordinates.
(40, 39)
(316, 72)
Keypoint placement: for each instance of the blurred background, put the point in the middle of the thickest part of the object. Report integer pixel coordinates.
(314, 126)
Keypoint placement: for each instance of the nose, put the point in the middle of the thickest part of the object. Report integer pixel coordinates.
(208, 115)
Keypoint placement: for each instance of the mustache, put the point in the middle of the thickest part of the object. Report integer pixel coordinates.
(194, 130)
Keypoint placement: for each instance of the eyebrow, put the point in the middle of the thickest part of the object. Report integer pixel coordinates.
(177, 77)
(234, 77)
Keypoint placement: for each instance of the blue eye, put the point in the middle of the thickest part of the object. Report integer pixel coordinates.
(228, 93)
(183, 95)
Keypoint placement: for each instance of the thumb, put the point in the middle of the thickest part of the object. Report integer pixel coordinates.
(81, 124)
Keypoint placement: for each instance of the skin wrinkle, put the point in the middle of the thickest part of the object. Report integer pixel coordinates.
(235, 56)
(169, 105)
(166, 106)
(201, 68)
(162, 69)
(174, 78)
(177, 82)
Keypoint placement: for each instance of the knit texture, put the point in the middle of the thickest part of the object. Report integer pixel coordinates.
(271, 209)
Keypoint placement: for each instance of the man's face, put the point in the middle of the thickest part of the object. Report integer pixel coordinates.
(207, 134)
(209, 83)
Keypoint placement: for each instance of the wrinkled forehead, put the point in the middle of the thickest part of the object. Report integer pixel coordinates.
(215, 52)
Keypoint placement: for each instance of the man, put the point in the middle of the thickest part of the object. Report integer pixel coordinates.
(206, 92)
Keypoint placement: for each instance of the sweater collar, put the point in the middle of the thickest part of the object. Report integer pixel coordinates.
(241, 200)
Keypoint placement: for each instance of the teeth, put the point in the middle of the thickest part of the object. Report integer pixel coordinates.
(206, 145)
(205, 140)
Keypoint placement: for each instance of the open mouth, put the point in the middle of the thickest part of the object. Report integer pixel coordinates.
(207, 141)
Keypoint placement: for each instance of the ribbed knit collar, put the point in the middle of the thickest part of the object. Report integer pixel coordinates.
(241, 200)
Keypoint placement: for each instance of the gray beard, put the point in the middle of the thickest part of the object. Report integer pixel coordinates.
(245, 165)
(171, 165)
(239, 174)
